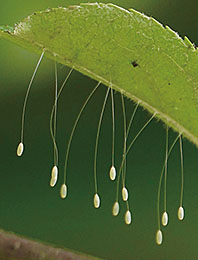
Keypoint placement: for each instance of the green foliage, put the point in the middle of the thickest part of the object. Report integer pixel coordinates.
(149, 63)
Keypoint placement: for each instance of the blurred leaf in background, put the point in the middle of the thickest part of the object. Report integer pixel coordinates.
(30, 207)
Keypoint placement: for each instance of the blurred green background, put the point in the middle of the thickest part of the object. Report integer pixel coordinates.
(28, 206)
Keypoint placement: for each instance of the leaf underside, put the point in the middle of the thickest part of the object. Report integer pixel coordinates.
(147, 62)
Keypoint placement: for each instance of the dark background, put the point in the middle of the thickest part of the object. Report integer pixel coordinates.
(28, 206)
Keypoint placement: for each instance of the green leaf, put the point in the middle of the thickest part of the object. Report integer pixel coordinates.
(149, 63)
